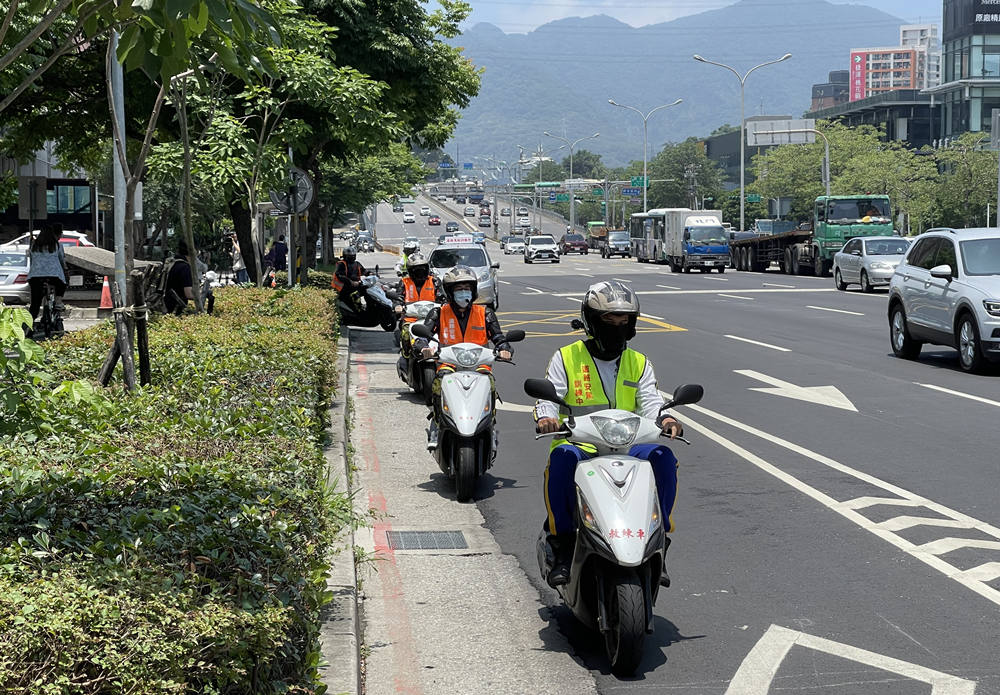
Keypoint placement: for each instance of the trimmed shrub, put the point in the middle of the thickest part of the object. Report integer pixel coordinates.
(177, 540)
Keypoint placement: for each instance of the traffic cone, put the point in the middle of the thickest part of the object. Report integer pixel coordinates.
(106, 295)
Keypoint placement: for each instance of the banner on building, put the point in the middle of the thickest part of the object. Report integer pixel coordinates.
(859, 74)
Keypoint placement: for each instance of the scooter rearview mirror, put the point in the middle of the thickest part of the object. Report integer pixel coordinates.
(515, 336)
(686, 395)
(577, 325)
(421, 331)
(542, 389)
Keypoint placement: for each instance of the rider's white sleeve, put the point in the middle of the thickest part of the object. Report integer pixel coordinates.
(648, 397)
(556, 373)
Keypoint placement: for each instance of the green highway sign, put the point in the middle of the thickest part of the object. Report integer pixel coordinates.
(753, 197)
(549, 184)
(562, 198)
(598, 191)
(637, 181)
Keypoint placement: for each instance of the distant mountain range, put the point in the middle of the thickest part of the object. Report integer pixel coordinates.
(560, 76)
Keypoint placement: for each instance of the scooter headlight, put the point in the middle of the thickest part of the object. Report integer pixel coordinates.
(617, 432)
(422, 311)
(586, 515)
(468, 357)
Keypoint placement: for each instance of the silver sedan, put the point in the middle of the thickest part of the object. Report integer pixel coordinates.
(868, 261)
(14, 277)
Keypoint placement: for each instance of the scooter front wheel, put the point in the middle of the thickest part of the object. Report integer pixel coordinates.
(465, 472)
(428, 379)
(626, 631)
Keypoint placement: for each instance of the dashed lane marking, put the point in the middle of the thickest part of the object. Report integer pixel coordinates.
(929, 553)
(774, 284)
(745, 291)
(978, 399)
(550, 319)
(668, 287)
(736, 296)
(757, 342)
(836, 311)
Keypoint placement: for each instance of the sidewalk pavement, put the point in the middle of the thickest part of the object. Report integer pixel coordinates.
(437, 621)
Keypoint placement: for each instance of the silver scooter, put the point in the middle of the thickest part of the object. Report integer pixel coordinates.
(467, 439)
(417, 372)
(618, 550)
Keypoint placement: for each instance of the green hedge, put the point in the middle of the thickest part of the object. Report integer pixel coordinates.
(317, 278)
(177, 540)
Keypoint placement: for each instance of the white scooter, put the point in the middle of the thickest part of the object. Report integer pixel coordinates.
(618, 551)
(467, 439)
(418, 372)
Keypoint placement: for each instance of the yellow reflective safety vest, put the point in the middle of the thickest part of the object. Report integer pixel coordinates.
(585, 392)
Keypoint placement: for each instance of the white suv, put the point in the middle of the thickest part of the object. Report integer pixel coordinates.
(946, 291)
(541, 248)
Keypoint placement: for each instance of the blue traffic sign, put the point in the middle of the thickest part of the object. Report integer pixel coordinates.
(445, 165)
(552, 197)
(632, 192)
(467, 165)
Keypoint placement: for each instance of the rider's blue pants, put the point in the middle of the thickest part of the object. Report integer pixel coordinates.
(560, 491)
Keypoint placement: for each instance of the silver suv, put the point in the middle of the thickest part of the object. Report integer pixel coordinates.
(946, 291)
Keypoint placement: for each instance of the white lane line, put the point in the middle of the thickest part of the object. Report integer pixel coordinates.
(736, 296)
(756, 342)
(774, 284)
(745, 291)
(942, 389)
(714, 277)
(533, 290)
(836, 311)
(652, 316)
(503, 282)
(927, 553)
(668, 287)
(758, 670)
(621, 279)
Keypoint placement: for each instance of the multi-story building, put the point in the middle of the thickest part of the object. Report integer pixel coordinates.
(970, 66)
(833, 92)
(924, 38)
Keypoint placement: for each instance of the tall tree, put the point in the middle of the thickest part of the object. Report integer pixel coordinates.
(969, 181)
(685, 174)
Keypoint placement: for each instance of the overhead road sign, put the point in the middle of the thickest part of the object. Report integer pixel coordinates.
(445, 165)
(632, 192)
(637, 181)
(549, 184)
(467, 165)
(597, 191)
(783, 132)
(562, 198)
(753, 197)
(552, 197)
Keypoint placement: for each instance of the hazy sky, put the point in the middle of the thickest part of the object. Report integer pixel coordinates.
(521, 16)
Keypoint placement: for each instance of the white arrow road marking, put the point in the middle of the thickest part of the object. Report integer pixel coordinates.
(975, 578)
(756, 673)
(757, 342)
(821, 395)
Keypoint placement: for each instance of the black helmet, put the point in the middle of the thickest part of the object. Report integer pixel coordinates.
(609, 297)
(350, 254)
(458, 275)
(418, 268)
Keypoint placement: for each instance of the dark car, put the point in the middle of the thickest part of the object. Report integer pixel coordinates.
(397, 207)
(573, 243)
(451, 227)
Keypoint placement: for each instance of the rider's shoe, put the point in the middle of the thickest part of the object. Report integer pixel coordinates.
(563, 558)
(664, 577)
(432, 437)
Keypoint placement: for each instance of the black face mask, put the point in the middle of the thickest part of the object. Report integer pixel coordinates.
(608, 341)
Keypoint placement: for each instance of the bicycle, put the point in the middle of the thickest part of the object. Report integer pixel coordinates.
(49, 323)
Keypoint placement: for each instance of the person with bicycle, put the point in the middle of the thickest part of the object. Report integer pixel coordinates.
(179, 283)
(47, 262)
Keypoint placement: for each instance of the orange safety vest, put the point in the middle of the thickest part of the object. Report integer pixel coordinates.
(450, 331)
(336, 283)
(427, 293)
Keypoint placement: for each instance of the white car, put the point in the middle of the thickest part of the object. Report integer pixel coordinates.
(425, 211)
(522, 212)
(524, 222)
(541, 248)
(409, 217)
(946, 291)
(470, 211)
(515, 244)
(868, 261)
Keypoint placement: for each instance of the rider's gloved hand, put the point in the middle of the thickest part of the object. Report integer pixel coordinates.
(504, 355)
(547, 425)
(427, 353)
(671, 427)
(399, 311)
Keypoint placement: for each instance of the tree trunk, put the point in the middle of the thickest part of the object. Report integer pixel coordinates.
(241, 215)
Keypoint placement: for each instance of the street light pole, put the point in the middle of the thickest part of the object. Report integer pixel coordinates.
(645, 140)
(572, 194)
(743, 120)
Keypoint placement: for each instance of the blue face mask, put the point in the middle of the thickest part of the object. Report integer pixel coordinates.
(463, 298)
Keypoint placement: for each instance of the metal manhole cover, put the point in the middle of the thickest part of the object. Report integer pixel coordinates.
(426, 540)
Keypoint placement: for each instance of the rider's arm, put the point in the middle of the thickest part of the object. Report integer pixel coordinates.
(494, 333)
(556, 374)
(650, 402)
(431, 322)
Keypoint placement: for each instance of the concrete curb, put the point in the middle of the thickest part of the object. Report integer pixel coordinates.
(339, 636)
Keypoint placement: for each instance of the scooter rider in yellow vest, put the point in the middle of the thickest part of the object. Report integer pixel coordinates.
(594, 374)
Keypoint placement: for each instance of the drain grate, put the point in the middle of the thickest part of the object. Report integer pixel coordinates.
(426, 540)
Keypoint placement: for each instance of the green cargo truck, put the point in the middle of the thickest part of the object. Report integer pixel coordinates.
(810, 248)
